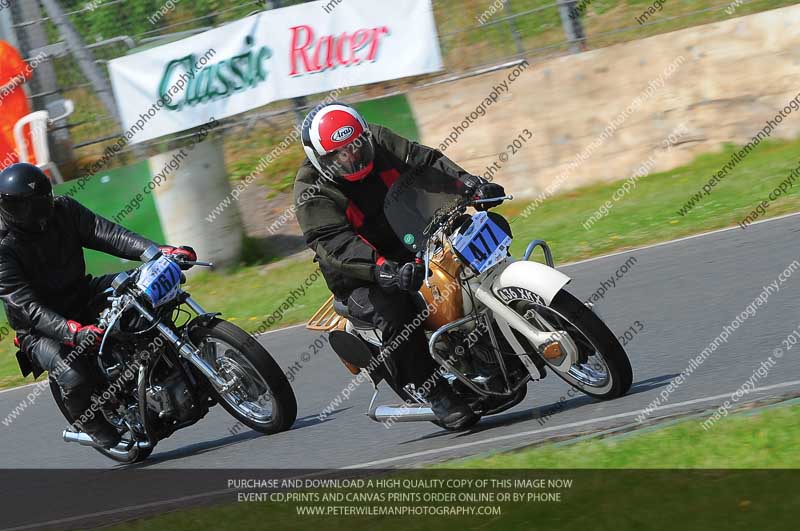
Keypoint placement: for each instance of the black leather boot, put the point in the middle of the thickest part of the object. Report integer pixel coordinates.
(77, 401)
(102, 432)
(451, 410)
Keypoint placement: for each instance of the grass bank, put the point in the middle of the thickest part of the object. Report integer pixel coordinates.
(755, 439)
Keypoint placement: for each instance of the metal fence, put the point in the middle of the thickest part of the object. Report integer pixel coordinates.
(80, 36)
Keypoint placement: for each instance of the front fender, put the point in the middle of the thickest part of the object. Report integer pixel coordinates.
(202, 320)
(529, 281)
(533, 277)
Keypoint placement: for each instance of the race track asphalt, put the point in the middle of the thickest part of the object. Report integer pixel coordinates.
(682, 292)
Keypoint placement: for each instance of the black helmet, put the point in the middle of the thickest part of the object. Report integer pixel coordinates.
(26, 198)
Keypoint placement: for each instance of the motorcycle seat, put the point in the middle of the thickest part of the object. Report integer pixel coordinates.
(341, 309)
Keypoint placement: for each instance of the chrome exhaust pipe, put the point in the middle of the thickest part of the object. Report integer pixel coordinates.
(84, 439)
(403, 413)
(78, 437)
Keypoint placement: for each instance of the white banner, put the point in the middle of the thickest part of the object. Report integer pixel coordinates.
(279, 54)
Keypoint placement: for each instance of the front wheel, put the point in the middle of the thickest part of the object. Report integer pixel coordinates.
(261, 397)
(591, 358)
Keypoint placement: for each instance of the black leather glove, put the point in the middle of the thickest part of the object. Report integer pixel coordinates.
(392, 276)
(471, 183)
(489, 191)
(479, 188)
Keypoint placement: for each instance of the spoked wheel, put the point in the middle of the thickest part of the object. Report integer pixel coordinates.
(588, 355)
(260, 395)
(126, 452)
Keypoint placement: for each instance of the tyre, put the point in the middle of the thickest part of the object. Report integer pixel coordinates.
(262, 398)
(134, 455)
(602, 369)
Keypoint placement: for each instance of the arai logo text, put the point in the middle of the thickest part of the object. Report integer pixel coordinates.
(343, 133)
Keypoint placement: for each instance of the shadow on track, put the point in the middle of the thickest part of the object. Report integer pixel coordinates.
(230, 440)
(543, 413)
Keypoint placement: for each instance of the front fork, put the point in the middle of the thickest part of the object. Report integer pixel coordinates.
(509, 320)
(185, 348)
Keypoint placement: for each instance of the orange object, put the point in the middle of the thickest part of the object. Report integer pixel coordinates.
(444, 295)
(14, 72)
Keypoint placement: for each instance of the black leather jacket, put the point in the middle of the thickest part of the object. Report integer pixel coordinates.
(344, 224)
(43, 280)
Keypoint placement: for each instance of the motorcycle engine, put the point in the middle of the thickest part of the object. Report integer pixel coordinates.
(471, 356)
(476, 357)
(171, 399)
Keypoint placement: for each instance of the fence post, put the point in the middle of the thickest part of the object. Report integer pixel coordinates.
(571, 22)
(82, 56)
(512, 22)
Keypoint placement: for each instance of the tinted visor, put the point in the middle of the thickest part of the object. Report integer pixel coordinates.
(350, 162)
(29, 214)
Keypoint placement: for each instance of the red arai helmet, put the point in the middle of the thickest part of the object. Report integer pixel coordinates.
(338, 143)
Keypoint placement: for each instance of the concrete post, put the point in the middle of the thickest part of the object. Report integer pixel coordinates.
(194, 202)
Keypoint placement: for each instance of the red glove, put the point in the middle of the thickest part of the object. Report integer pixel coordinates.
(181, 253)
(84, 335)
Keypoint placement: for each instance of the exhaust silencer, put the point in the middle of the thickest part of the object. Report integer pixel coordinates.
(85, 440)
(78, 437)
(403, 413)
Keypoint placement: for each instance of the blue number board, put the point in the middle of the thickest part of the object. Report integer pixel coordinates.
(483, 244)
(160, 280)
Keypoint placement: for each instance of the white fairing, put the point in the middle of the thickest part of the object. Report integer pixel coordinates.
(532, 276)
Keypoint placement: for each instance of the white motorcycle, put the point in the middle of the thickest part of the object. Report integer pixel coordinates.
(494, 323)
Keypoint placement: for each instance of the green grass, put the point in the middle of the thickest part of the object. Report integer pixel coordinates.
(703, 499)
(648, 214)
(741, 441)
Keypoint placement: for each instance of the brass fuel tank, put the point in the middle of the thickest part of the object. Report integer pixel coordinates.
(444, 297)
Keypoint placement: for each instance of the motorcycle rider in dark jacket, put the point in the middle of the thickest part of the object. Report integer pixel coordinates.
(339, 195)
(49, 299)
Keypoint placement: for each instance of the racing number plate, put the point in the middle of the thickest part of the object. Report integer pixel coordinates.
(483, 244)
(160, 280)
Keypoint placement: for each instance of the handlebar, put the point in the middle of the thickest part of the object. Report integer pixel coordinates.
(424, 256)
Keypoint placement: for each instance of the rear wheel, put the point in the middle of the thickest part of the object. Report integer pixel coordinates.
(261, 397)
(591, 358)
(132, 455)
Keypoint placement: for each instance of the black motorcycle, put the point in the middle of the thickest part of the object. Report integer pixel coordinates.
(161, 366)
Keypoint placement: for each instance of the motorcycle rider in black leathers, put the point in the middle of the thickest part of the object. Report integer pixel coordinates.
(49, 299)
(339, 195)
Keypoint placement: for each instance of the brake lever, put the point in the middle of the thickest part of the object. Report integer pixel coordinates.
(492, 200)
(201, 264)
(209, 265)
